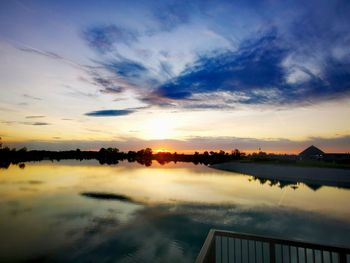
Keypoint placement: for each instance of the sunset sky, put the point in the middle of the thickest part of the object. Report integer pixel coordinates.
(176, 75)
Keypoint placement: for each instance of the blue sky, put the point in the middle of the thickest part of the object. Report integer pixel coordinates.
(147, 71)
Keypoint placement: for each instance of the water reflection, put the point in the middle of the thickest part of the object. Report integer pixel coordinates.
(83, 212)
(284, 183)
(294, 184)
(108, 196)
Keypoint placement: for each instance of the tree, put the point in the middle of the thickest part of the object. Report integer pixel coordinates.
(24, 149)
(148, 151)
(112, 150)
(236, 153)
(0, 143)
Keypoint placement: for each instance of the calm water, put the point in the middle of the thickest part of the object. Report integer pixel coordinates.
(163, 213)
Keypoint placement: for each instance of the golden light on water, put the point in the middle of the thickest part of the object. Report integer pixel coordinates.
(183, 183)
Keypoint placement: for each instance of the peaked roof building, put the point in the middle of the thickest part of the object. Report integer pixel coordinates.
(311, 152)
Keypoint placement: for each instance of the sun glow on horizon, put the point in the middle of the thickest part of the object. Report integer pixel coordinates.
(160, 128)
(162, 151)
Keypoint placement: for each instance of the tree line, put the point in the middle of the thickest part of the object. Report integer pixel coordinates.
(113, 156)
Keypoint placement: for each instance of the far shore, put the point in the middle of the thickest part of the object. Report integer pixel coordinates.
(307, 175)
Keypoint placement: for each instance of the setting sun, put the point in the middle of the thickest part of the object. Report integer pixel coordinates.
(160, 128)
(162, 151)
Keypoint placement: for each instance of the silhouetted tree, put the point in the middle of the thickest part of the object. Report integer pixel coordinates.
(148, 151)
(236, 153)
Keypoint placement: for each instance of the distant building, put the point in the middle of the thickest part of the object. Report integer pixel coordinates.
(311, 152)
(314, 153)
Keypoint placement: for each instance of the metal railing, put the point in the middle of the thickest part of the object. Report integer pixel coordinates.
(226, 247)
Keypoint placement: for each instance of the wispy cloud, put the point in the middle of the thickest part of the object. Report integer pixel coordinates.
(287, 58)
(31, 97)
(35, 117)
(173, 14)
(48, 54)
(103, 38)
(35, 123)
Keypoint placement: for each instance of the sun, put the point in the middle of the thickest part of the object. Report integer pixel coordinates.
(160, 128)
(162, 151)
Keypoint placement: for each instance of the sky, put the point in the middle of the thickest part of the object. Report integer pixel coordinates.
(175, 75)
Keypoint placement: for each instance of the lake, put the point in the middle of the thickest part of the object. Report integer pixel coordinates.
(74, 211)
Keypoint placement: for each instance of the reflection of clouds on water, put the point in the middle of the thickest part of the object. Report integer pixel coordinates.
(108, 196)
(169, 232)
(160, 233)
(17, 209)
(97, 225)
(108, 223)
(35, 182)
(30, 189)
(140, 240)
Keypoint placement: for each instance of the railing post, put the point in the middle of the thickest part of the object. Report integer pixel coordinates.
(212, 250)
(342, 257)
(272, 252)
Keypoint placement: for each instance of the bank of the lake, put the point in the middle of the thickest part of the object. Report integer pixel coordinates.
(290, 173)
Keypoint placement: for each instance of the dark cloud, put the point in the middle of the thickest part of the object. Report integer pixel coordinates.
(109, 113)
(40, 123)
(103, 38)
(34, 123)
(127, 68)
(113, 90)
(255, 73)
(126, 74)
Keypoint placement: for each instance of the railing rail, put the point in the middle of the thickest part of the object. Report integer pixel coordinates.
(227, 246)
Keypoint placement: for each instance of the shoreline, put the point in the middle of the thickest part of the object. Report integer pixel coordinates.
(296, 174)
